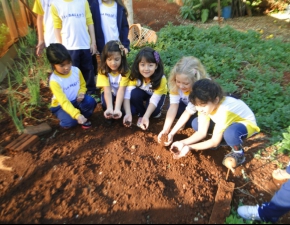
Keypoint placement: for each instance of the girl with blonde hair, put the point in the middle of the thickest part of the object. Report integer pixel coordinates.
(184, 74)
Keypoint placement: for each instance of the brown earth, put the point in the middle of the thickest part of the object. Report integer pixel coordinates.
(113, 174)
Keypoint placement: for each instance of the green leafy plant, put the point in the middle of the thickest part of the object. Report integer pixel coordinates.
(4, 35)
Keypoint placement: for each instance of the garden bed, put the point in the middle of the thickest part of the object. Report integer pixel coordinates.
(114, 174)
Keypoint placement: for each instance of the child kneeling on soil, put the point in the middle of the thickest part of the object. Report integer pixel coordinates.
(69, 103)
(229, 120)
(113, 79)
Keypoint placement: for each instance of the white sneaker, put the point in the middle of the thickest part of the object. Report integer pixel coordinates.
(248, 212)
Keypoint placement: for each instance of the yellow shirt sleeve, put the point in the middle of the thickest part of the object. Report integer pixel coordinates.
(162, 89)
(89, 18)
(62, 100)
(57, 23)
(125, 80)
(37, 8)
(83, 85)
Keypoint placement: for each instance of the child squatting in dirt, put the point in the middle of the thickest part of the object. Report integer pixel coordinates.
(229, 120)
(69, 102)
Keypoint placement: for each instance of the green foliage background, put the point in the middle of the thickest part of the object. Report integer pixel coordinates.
(241, 62)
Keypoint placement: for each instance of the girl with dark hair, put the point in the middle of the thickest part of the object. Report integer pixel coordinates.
(69, 103)
(113, 79)
(228, 119)
(148, 85)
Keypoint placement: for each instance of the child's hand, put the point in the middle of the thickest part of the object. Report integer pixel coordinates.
(127, 121)
(169, 139)
(93, 49)
(81, 119)
(108, 114)
(117, 114)
(144, 123)
(80, 97)
(126, 50)
(179, 150)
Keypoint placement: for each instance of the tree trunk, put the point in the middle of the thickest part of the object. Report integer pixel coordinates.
(129, 6)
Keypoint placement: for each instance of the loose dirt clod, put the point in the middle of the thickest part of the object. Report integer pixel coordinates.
(175, 150)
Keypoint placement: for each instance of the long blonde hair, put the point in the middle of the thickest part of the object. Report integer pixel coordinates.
(189, 66)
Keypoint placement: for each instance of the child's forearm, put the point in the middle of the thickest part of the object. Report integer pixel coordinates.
(181, 121)
(150, 110)
(127, 106)
(170, 116)
(120, 98)
(58, 35)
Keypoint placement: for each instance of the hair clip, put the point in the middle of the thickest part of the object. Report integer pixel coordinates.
(156, 56)
(121, 47)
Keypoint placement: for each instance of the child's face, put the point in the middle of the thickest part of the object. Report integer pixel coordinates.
(114, 61)
(183, 83)
(64, 67)
(147, 69)
(207, 108)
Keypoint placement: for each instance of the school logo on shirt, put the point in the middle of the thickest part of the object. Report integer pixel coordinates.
(77, 15)
(71, 85)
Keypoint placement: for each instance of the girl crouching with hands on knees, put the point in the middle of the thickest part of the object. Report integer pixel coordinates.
(186, 71)
(69, 103)
(113, 79)
(229, 120)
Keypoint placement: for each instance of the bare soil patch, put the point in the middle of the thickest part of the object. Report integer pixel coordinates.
(114, 174)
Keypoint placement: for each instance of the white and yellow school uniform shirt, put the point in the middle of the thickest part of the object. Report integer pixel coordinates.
(147, 87)
(42, 7)
(175, 98)
(232, 110)
(113, 80)
(65, 88)
(108, 13)
(73, 18)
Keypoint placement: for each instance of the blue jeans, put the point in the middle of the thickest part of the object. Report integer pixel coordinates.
(233, 135)
(278, 205)
(86, 107)
(83, 60)
(138, 97)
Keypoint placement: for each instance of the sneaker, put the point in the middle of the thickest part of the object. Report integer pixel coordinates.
(239, 157)
(157, 116)
(86, 125)
(248, 212)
